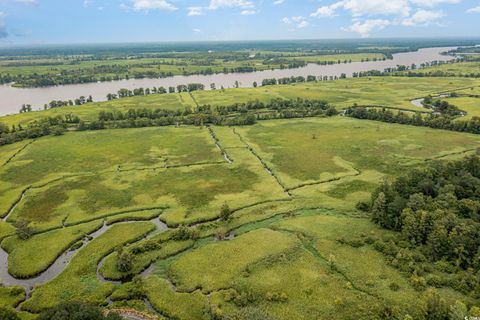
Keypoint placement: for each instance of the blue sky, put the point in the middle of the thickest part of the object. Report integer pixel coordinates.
(97, 21)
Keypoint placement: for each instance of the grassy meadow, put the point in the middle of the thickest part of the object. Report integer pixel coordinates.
(471, 105)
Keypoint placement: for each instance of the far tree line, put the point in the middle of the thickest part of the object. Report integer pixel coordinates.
(237, 114)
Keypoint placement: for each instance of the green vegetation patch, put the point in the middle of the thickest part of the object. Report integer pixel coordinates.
(11, 296)
(301, 151)
(143, 215)
(342, 243)
(141, 260)
(471, 105)
(176, 305)
(217, 265)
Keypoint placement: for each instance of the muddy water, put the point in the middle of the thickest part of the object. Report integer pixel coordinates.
(12, 98)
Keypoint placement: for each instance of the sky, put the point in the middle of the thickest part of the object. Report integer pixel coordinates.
(26, 22)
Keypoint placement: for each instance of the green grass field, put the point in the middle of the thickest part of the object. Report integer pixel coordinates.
(468, 104)
(309, 151)
(458, 69)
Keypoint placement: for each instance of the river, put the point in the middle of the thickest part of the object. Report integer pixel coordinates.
(12, 98)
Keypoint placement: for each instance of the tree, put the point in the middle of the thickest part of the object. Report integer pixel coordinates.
(225, 212)
(58, 130)
(435, 306)
(379, 208)
(76, 311)
(23, 229)
(8, 314)
(458, 311)
(184, 233)
(124, 262)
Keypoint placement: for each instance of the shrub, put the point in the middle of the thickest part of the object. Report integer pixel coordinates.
(23, 229)
(124, 262)
(362, 206)
(184, 233)
(394, 286)
(76, 311)
(435, 307)
(419, 283)
(434, 281)
(458, 311)
(225, 212)
(249, 313)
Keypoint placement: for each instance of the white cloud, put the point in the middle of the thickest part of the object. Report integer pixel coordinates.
(298, 18)
(195, 11)
(195, 30)
(433, 3)
(325, 11)
(365, 28)
(359, 8)
(298, 22)
(27, 1)
(215, 4)
(376, 7)
(248, 12)
(370, 15)
(423, 18)
(474, 10)
(303, 24)
(146, 5)
(278, 2)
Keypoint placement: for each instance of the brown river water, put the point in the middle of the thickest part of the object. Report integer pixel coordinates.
(12, 98)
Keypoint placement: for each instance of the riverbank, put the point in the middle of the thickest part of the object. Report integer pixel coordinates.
(13, 98)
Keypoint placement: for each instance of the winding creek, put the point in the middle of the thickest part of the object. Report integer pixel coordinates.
(62, 261)
(13, 98)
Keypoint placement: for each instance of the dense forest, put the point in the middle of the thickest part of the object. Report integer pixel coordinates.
(444, 116)
(436, 214)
